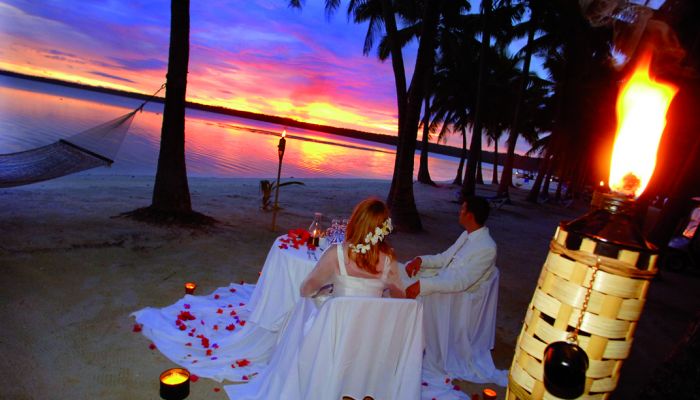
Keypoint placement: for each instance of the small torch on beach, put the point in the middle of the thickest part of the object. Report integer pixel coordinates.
(280, 153)
(580, 323)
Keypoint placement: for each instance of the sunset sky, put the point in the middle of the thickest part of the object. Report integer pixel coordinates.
(253, 55)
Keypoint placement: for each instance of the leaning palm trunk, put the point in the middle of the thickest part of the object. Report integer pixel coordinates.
(507, 177)
(534, 194)
(401, 200)
(423, 171)
(479, 169)
(469, 184)
(463, 155)
(494, 177)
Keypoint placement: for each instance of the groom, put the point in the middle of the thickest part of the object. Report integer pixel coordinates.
(465, 265)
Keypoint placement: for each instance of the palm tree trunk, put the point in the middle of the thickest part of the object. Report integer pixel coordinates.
(458, 178)
(507, 178)
(401, 200)
(423, 172)
(494, 177)
(171, 190)
(479, 169)
(534, 193)
(396, 59)
(469, 185)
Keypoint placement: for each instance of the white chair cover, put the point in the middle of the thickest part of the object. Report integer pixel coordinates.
(352, 346)
(460, 330)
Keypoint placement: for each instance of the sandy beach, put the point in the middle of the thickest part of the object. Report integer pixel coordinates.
(73, 271)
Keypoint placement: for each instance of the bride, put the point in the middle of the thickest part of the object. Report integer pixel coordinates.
(371, 265)
(363, 265)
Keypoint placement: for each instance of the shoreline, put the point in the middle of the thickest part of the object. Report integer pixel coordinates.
(75, 270)
(520, 162)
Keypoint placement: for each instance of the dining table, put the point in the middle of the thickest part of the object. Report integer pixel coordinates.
(277, 290)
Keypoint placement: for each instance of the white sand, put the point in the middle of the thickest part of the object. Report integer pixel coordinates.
(72, 274)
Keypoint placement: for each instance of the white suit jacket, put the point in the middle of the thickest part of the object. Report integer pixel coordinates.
(473, 260)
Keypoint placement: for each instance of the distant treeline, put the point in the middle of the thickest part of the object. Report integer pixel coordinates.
(520, 162)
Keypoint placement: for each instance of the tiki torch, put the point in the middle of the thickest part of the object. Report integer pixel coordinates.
(580, 323)
(280, 153)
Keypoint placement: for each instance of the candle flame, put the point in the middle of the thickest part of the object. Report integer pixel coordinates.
(641, 113)
(174, 378)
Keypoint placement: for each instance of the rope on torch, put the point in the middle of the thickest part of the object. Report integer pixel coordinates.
(573, 338)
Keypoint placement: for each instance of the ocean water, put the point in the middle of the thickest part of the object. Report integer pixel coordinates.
(34, 114)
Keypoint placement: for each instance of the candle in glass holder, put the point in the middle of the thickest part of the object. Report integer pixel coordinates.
(489, 394)
(190, 287)
(175, 384)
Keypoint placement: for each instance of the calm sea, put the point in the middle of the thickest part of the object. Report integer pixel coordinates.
(34, 114)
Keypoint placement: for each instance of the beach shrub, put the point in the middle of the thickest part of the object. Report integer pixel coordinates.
(267, 188)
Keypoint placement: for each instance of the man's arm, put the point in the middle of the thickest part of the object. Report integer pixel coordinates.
(441, 259)
(461, 276)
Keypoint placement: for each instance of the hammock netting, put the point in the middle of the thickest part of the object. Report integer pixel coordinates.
(91, 148)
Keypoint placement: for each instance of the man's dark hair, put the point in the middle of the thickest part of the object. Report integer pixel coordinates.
(478, 206)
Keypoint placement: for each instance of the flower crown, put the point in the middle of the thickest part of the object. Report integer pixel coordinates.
(373, 237)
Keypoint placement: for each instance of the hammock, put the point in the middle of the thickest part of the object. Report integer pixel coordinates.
(94, 147)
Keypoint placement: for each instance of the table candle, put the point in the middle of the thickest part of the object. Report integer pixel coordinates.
(175, 384)
(190, 287)
(489, 394)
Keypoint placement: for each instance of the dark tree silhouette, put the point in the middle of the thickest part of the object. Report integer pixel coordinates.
(171, 195)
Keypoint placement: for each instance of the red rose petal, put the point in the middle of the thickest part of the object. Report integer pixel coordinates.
(245, 377)
(231, 327)
(232, 290)
(189, 344)
(216, 327)
(209, 352)
(241, 323)
(194, 378)
(219, 311)
(216, 296)
(455, 387)
(216, 389)
(152, 346)
(183, 327)
(137, 328)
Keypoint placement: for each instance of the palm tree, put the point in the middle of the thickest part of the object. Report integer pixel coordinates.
(496, 21)
(171, 194)
(409, 100)
(507, 177)
(469, 183)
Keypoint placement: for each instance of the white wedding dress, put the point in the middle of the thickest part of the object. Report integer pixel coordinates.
(290, 375)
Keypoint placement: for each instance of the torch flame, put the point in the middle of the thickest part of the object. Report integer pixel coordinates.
(641, 114)
(284, 132)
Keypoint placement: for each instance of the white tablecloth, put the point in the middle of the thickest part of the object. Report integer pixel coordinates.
(277, 290)
(233, 330)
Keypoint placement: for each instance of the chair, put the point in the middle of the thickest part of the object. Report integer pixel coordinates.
(352, 346)
(459, 331)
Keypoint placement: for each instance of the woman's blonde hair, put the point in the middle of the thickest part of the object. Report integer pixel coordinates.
(368, 215)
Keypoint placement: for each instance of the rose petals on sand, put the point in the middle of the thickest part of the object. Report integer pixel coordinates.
(137, 328)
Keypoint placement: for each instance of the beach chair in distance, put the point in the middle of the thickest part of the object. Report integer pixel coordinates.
(498, 201)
